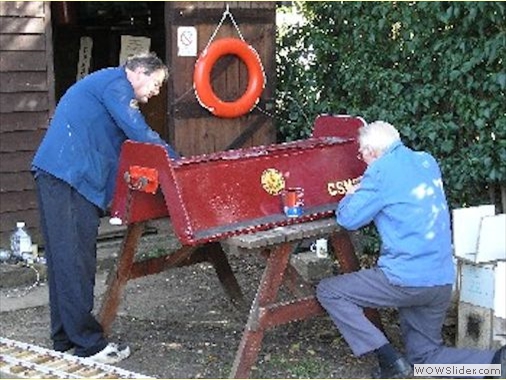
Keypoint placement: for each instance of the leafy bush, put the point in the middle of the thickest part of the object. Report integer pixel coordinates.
(435, 70)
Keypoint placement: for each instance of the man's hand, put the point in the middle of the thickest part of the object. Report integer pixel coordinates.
(351, 189)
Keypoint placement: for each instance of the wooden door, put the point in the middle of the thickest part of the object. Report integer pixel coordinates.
(192, 128)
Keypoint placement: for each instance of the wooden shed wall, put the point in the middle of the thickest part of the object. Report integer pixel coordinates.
(27, 90)
(26, 98)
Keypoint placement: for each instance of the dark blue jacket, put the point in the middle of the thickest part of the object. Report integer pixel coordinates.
(83, 142)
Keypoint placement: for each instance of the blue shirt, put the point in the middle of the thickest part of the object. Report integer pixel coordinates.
(402, 193)
(83, 142)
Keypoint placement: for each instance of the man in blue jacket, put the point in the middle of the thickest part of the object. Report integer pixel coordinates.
(402, 192)
(75, 171)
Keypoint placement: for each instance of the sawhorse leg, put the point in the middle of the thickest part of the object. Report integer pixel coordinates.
(190, 255)
(265, 313)
(216, 256)
(119, 275)
(127, 269)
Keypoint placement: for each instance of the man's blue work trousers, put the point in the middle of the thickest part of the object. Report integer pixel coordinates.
(69, 225)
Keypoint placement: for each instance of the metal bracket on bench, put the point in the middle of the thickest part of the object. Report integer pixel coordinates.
(142, 179)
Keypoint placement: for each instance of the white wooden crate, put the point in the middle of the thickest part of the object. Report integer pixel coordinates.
(479, 328)
(484, 285)
(478, 234)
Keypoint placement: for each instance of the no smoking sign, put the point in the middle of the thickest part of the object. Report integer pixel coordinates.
(187, 41)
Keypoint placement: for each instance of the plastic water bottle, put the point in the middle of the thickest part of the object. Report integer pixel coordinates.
(21, 243)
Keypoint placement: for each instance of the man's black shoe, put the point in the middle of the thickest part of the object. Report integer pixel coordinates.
(399, 369)
(499, 358)
(502, 361)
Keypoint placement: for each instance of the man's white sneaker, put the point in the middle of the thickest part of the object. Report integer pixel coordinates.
(112, 353)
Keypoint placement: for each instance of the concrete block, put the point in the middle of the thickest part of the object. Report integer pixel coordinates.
(479, 328)
(17, 275)
(311, 267)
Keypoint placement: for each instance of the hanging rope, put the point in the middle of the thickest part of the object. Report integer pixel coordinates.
(225, 14)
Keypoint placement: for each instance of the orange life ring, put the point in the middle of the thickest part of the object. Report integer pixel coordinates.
(202, 78)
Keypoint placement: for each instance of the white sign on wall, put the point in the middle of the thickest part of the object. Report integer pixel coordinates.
(132, 45)
(187, 41)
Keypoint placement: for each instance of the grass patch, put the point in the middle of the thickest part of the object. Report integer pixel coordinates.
(307, 367)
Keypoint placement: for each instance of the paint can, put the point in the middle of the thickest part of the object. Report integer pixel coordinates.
(293, 201)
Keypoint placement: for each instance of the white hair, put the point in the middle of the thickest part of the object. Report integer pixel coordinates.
(378, 136)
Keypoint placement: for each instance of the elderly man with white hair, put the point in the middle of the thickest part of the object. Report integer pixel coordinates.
(402, 192)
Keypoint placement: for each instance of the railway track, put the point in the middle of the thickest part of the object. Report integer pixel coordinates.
(22, 360)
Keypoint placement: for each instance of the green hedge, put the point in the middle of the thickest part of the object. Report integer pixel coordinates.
(435, 70)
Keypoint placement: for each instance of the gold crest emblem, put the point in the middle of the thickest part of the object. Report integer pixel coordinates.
(272, 181)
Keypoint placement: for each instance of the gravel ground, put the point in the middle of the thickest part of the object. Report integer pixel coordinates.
(180, 324)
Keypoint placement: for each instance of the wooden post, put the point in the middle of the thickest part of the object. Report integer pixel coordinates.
(119, 276)
(267, 292)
